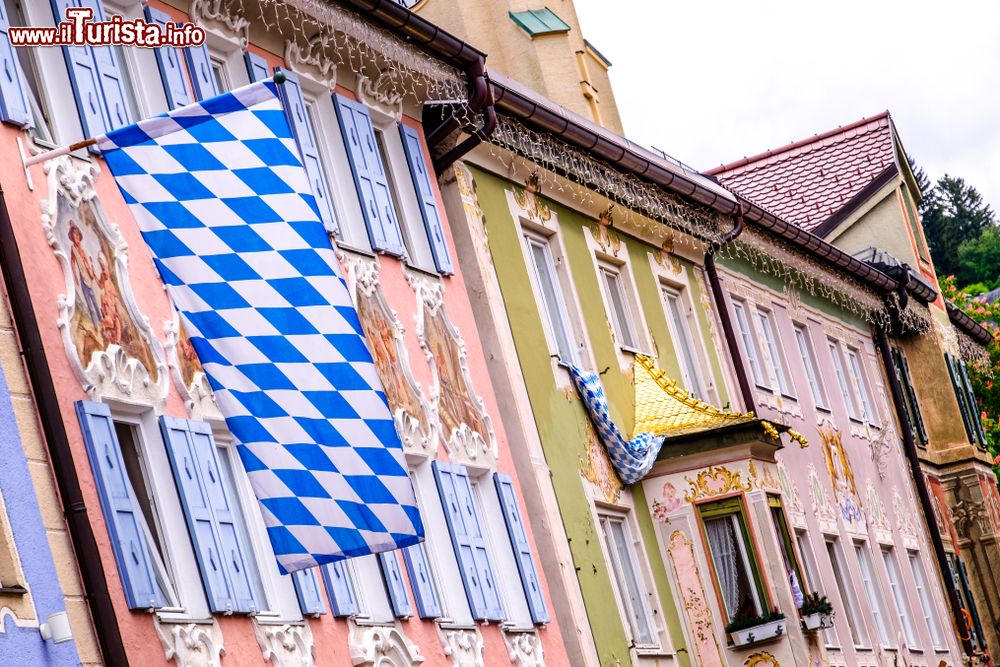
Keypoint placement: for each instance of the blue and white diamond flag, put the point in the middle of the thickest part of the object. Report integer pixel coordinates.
(223, 201)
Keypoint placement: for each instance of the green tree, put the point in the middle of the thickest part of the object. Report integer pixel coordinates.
(979, 259)
(923, 183)
(955, 212)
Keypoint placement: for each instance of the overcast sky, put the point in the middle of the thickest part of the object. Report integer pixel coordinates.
(714, 81)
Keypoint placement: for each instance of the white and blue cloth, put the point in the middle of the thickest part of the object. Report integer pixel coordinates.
(223, 201)
(631, 459)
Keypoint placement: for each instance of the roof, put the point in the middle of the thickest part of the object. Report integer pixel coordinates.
(809, 182)
(663, 408)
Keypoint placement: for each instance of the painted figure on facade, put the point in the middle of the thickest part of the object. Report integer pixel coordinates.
(841, 475)
(190, 364)
(100, 317)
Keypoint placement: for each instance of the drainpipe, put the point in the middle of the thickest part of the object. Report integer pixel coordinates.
(480, 101)
(910, 449)
(81, 532)
(746, 392)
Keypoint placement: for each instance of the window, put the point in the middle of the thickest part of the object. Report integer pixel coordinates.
(770, 333)
(679, 321)
(902, 370)
(418, 250)
(861, 385)
(547, 279)
(733, 561)
(845, 389)
(221, 75)
(632, 593)
(128, 83)
(926, 606)
(619, 307)
(749, 344)
(899, 595)
(804, 344)
(971, 416)
(793, 570)
(872, 593)
(847, 599)
(961, 581)
(813, 583)
(41, 127)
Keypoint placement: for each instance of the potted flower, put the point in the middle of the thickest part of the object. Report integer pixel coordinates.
(751, 627)
(816, 611)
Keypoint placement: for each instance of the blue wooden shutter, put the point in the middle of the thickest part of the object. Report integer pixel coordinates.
(340, 589)
(467, 538)
(168, 59)
(369, 176)
(15, 106)
(199, 64)
(422, 581)
(305, 136)
(307, 590)
(522, 547)
(425, 194)
(121, 511)
(83, 77)
(209, 515)
(256, 67)
(394, 582)
(110, 77)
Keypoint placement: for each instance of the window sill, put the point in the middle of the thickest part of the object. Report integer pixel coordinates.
(430, 273)
(653, 652)
(790, 397)
(371, 623)
(180, 617)
(823, 408)
(277, 620)
(448, 624)
(17, 591)
(354, 249)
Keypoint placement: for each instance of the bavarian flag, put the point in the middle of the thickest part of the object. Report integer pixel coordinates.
(220, 194)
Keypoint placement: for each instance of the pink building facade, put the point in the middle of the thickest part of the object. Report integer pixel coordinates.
(127, 386)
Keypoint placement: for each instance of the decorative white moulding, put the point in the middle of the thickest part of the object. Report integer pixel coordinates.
(759, 633)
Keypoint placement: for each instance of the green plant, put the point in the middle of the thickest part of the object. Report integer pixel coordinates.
(814, 603)
(752, 619)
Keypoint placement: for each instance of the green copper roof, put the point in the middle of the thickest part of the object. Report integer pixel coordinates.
(539, 22)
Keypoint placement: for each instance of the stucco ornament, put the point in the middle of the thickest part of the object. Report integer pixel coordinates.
(463, 645)
(604, 233)
(877, 517)
(187, 373)
(821, 506)
(311, 57)
(466, 427)
(287, 645)
(382, 93)
(474, 214)
(714, 481)
(191, 644)
(415, 416)
(524, 649)
(382, 646)
(220, 17)
(597, 468)
(529, 199)
(790, 491)
(699, 615)
(761, 659)
(109, 342)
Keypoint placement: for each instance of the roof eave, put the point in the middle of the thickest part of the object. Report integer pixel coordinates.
(967, 325)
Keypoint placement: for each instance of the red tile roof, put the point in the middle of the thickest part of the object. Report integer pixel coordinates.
(807, 182)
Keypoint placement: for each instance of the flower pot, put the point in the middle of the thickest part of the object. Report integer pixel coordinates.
(815, 621)
(759, 633)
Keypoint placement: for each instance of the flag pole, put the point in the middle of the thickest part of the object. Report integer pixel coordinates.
(279, 78)
(58, 152)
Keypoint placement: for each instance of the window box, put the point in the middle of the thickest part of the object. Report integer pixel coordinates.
(757, 629)
(817, 612)
(817, 621)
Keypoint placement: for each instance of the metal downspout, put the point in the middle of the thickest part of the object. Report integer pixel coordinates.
(81, 531)
(719, 295)
(910, 449)
(480, 100)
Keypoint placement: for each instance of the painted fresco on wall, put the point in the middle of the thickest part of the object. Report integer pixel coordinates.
(877, 516)
(705, 646)
(838, 468)
(790, 492)
(110, 344)
(597, 468)
(187, 372)
(904, 518)
(100, 318)
(821, 506)
(988, 484)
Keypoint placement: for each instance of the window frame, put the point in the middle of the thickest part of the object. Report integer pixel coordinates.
(734, 508)
(627, 321)
(811, 570)
(873, 592)
(863, 386)
(786, 539)
(681, 326)
(534, 239)
(748, 340)
(899, 598)
(807, 353)
(624, 517)
(926, 603)
(772, 344)
(847, 394)
(848, 596)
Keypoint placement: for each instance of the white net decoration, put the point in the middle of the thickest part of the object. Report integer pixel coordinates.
(914, 319)
(589, 181)
(770, 255)
(973, 353)
(331, 37)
